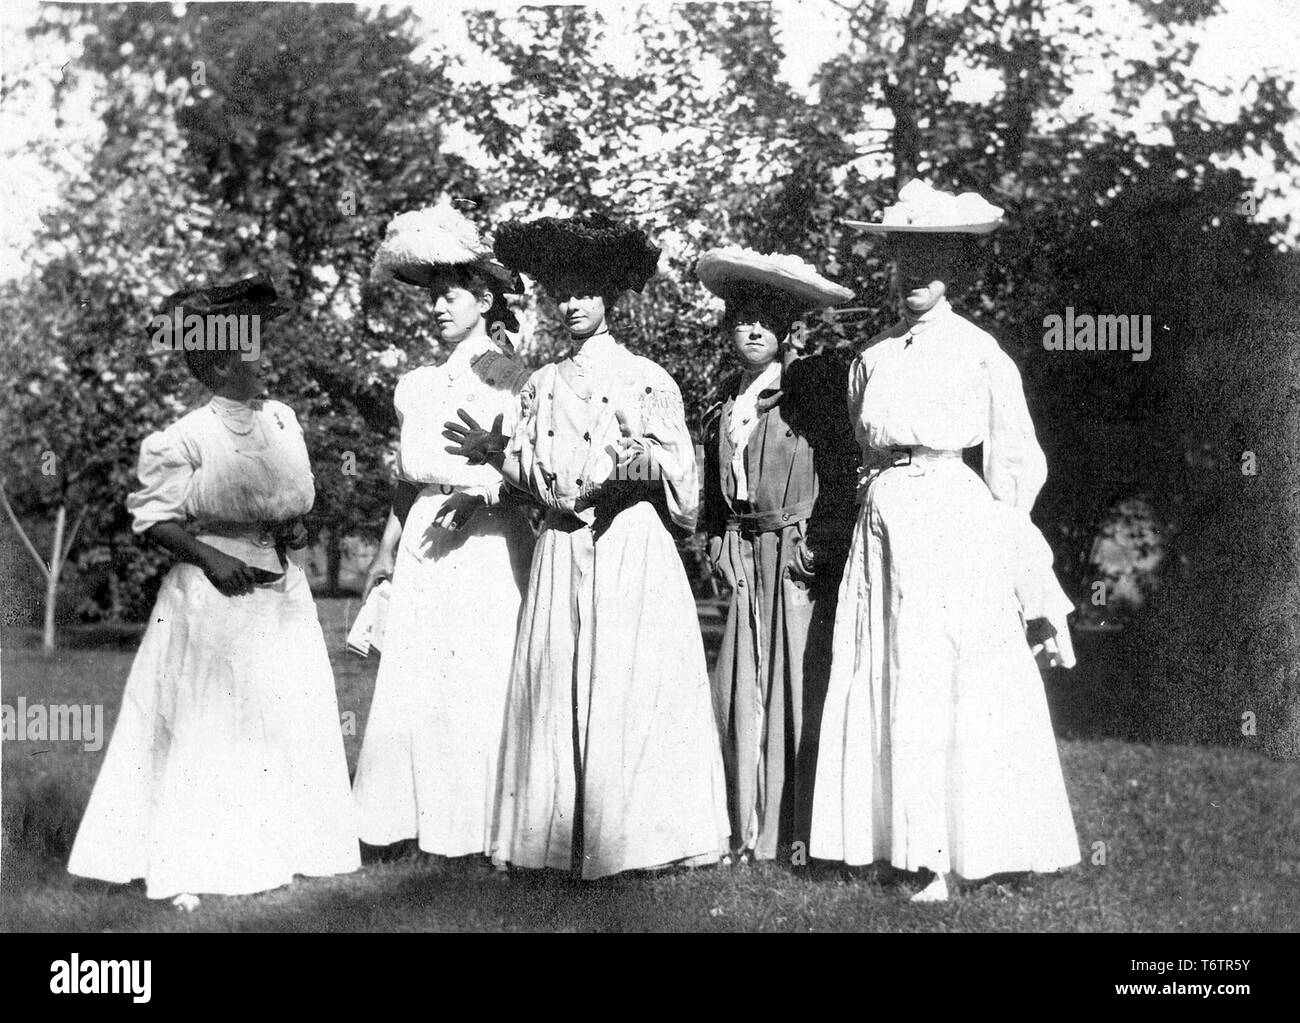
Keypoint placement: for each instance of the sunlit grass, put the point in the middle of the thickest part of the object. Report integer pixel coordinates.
(1192, 839)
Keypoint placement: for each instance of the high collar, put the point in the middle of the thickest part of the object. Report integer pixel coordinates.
(594, 349)
(233, 408)
(465, 354)
(917, 324)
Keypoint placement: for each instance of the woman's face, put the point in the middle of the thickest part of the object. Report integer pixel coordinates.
(922, 269)
(583, 312)
(457, 312)
(755, 336)
(242, 378)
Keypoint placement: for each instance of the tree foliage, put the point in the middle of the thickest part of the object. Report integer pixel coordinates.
(285, 136)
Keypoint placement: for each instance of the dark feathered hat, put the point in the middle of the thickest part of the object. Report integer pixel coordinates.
(254, 294)
(591, 247)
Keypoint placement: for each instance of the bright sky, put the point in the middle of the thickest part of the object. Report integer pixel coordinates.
(1249, 36)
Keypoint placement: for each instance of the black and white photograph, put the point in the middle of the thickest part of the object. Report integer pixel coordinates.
(792, 466)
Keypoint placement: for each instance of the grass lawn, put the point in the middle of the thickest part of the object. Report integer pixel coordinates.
(1194, 839)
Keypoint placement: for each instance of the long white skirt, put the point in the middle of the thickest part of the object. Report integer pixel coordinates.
(937, 749)
(612, 758)
(226, 772)
(430, 758)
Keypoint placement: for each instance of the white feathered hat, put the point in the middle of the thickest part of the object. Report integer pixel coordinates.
(417, 243)
(732, 270)
(923, 208)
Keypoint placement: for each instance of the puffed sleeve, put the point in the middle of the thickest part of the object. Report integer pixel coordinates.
(1015, 468)
(401, 402)
(669, 440)
(526, 413)
(166, 470)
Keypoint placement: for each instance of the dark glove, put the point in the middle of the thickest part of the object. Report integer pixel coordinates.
(472, 442)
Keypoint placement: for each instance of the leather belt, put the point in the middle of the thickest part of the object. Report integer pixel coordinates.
(261, 534)
(909, 455)
(266, 536)
(769, 521)
(445, 489)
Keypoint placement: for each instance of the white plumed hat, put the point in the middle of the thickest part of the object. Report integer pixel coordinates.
(418, 243)
(923, 208)
(730, 271)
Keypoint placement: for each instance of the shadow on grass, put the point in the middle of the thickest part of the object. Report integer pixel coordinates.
(43, 821)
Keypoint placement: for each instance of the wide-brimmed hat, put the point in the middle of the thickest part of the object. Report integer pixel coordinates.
(732, 272)
(418, 244)
(251, 295)
(592, 247)
(922, 208)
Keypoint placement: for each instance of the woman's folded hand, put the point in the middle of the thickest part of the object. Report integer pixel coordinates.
(229, 575)
(458, 509)
(296, 534)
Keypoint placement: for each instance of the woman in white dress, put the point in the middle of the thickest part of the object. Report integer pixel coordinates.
(226, 772)
(611, 758)
(937, 751)
(458, 560)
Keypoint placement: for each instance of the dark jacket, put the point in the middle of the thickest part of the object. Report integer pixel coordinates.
(801, 461)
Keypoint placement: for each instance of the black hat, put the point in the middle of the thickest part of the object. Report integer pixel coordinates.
(254, 294)
(591, 247)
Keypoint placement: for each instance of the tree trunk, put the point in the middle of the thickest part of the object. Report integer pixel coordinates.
(114, 586)
(333, 560)
(52, 579)
(900, 94)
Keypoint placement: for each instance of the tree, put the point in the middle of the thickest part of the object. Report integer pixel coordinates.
(236, 137)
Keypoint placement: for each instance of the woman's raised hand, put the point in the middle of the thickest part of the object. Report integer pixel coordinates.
(633, 460)
(472, 442)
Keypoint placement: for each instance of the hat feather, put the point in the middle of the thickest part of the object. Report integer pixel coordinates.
(590, 247)
(418, 242)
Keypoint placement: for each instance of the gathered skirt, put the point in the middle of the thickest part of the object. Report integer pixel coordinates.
(226, 772)
(430, 756)
(611, 757)
(937, 748)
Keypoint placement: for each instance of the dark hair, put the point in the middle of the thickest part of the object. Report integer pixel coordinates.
(251, 296)
(778, 312)
(204, 363)
(476, 281)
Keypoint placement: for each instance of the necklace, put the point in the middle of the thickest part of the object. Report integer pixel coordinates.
(226, 422)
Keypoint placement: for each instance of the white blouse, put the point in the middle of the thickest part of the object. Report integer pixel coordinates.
(941, 382)
(228, 462)
(477, 378)
(568, 426)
